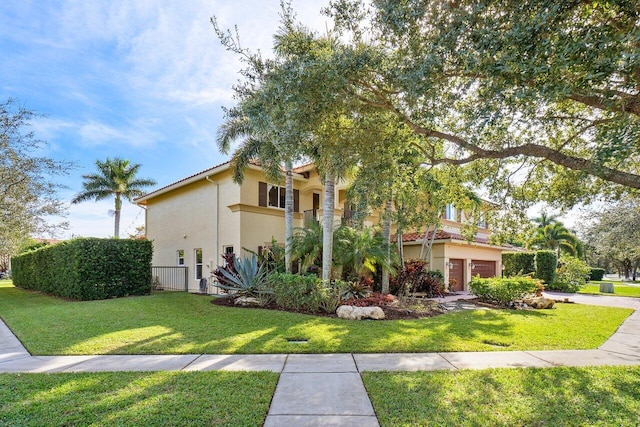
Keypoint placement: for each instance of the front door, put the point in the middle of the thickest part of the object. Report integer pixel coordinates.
(456, 275)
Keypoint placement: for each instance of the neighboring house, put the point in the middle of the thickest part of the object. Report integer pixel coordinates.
(192, 222)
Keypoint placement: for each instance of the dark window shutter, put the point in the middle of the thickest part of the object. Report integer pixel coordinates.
(262, 194)
(296, 200)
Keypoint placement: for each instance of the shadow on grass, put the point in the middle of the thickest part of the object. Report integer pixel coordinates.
(180, 323)
(153, 399)
(550, 396)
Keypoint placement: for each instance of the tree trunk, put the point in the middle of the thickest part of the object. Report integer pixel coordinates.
(427, 255)
(400, 248)
(327, 225)
(288, 215)
(116, 232)
(386, 234)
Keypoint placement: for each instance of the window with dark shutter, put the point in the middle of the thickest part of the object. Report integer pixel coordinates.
(262, 194)
(296, 200)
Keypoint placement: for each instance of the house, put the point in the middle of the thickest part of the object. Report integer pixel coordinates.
(196, 220)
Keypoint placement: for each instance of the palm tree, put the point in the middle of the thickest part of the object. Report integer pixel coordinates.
(555, 236)
(256, 145)
(361, 251)
(115, 178)
(545, 219)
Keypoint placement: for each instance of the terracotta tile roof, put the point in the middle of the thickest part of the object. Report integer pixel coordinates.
(440, 235)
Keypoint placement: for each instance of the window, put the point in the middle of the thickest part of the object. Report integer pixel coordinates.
(227, 250)
(450, 213)
(198, 263)
(274, 196)
(482, 221)
(180, 256)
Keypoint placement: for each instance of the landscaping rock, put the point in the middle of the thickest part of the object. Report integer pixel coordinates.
(539, 302)
(247, 301)
(357, 313)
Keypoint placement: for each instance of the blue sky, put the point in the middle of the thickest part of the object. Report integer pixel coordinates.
(142, 80)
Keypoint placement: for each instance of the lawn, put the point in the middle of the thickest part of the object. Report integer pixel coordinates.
(606, 396)
(619, 289)
(136, 398)
(181, 323)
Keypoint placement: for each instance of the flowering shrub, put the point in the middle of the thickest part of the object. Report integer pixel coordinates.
(572, 273)
(416, 277)
(503, 290)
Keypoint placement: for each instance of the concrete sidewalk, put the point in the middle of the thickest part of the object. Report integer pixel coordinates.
(326, 389)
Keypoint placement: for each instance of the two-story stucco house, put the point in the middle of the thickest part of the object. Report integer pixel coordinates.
(192, 222)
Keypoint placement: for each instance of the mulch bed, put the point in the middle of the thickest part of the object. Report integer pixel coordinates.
(391, 313)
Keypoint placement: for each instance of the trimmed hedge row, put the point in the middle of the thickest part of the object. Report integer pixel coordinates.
(596, 274)
(87, 268)
(542, 264)
(546, 264)
(518, 263)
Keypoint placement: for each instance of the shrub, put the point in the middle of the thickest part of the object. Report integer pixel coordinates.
(415, 277)
(572, 274)
(596, 274)
(87, 268)
(546, 264)
(503, 290)
(305, 292)
(518, 263)
(241, 276)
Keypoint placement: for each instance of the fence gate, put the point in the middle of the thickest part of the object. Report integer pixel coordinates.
(172, 278)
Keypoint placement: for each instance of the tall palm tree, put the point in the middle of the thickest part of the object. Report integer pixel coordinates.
(257, 145)
(545, 219)
(555, 236)
(115, 178)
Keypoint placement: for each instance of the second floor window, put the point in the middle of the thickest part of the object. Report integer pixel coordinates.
(450, 213)
(274, 196)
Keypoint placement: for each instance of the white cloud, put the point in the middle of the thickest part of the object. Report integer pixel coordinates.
(93, 219)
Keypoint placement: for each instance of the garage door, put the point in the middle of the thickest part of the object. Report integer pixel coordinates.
(456, 275)
(483, 268)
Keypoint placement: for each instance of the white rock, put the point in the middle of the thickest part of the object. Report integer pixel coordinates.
(357, 313)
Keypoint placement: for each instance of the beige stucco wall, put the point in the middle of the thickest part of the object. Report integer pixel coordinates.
(213, 213)
(442, 252)
(187, 219)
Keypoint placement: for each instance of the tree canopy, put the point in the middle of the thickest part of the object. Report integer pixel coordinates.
(28, 192)
(532, 95)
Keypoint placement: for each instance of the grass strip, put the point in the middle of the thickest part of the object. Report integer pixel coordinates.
(136, 398)
(619, 290)
(181, 323)
(603, 396)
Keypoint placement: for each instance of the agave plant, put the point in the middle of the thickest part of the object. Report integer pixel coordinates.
(247, 279)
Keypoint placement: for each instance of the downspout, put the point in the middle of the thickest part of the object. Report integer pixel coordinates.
(212, 267)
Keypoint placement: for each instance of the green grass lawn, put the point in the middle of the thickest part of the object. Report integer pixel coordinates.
(619, 289)
(181, 323)
(136, 399)
(606, 396)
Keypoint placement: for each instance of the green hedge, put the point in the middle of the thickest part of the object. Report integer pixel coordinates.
(518, 263)
(87, 268)
(546, 264)
(596, 274)
(503, 290)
